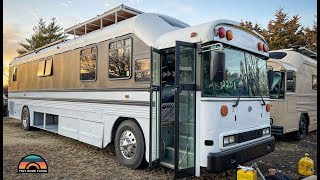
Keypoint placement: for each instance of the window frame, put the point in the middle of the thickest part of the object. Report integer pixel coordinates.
(130, 61)
(141, 82)
(313, 88)
(49, 58)
(51, 65)
(96, 71)
(236, 49)
(14, 74)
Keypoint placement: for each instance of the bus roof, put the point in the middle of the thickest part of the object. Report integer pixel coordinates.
(292, 59)
(155, 30)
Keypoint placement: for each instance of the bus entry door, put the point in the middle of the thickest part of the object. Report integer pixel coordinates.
(185, 96)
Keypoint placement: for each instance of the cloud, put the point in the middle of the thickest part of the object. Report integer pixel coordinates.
(135, 1)
(66, 4)
(11, 37)
(34, 13)
(180, 6)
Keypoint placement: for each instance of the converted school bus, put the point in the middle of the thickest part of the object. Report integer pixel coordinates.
(162, 91)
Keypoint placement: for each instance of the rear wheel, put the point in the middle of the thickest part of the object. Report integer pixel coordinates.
(303, 128)
(25, 119)
(129, 144)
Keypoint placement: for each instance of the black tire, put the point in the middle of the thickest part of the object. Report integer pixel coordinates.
(303, 129)
(137, 159)
(25, 115)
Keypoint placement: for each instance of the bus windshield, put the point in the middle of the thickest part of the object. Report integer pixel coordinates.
(244, 74)
(277, 87)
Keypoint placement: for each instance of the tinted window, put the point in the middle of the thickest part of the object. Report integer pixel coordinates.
(119, 59)
(14, 75)
(277, 55)
(142, 70)
(88, 63)
(314, 82)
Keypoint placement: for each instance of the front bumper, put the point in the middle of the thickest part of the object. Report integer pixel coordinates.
(221, 161)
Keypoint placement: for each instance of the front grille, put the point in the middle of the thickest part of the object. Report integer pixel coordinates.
(247, 136)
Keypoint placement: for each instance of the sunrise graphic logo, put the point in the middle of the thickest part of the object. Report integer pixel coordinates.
(32, 164)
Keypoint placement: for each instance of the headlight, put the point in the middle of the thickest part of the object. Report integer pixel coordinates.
(228, 140)
(266, 131)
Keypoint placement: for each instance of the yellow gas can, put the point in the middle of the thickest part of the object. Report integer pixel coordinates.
(246, 174)
(306, 166)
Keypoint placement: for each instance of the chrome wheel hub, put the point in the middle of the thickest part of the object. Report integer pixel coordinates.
(128, 144)
(25, 119)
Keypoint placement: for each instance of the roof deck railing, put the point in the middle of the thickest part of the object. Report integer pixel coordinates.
(108, 18)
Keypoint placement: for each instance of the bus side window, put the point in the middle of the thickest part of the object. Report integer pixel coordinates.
(14, 75)
(120, 59)
(142, 70)
(45, 67)
(88, 64)
(314, 82)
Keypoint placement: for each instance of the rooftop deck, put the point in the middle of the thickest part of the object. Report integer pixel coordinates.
(108, 18)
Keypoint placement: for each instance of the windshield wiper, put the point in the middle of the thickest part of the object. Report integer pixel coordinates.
(258, 92)
(238, 99)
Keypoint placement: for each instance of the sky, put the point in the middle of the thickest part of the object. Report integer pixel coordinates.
(20, 16)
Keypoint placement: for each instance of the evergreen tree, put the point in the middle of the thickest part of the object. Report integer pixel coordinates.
(43, 35)
(249, 25)
(311, 37)
(283, 32)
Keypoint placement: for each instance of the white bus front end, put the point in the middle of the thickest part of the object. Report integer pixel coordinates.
(233, 107)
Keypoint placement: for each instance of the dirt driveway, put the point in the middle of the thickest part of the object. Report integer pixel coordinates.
(71, 159)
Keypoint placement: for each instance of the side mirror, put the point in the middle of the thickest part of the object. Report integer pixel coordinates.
(217, 64)
(270, 78)
(291, 81)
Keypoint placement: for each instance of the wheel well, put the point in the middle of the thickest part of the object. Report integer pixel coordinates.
(118, 122)
(25, 106)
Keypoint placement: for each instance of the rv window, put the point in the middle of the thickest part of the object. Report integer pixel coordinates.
(142, 70)
(88, 64)
(277, 55)
(314, 82)
(41, 68)
(48, 69)
(14, 76)
(119, 59)
(45, 67)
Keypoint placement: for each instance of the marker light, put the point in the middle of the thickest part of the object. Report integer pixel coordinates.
(193, 34)
(260, 46)
(224, 110)
(265, 48)
(268, 107)
(221, 32)
(229, 35)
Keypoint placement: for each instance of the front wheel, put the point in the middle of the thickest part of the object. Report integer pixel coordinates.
(129, 144)
(302, 132)
(25, 119)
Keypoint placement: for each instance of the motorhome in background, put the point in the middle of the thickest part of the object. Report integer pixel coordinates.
(293, 91)
(162, 91)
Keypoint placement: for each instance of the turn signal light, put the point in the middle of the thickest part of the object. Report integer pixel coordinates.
(268, 107)
(222, 32)
(229, 35)
(260, 46)
(224, 110)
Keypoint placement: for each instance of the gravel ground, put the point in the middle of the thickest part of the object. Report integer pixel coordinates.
(71, 159)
